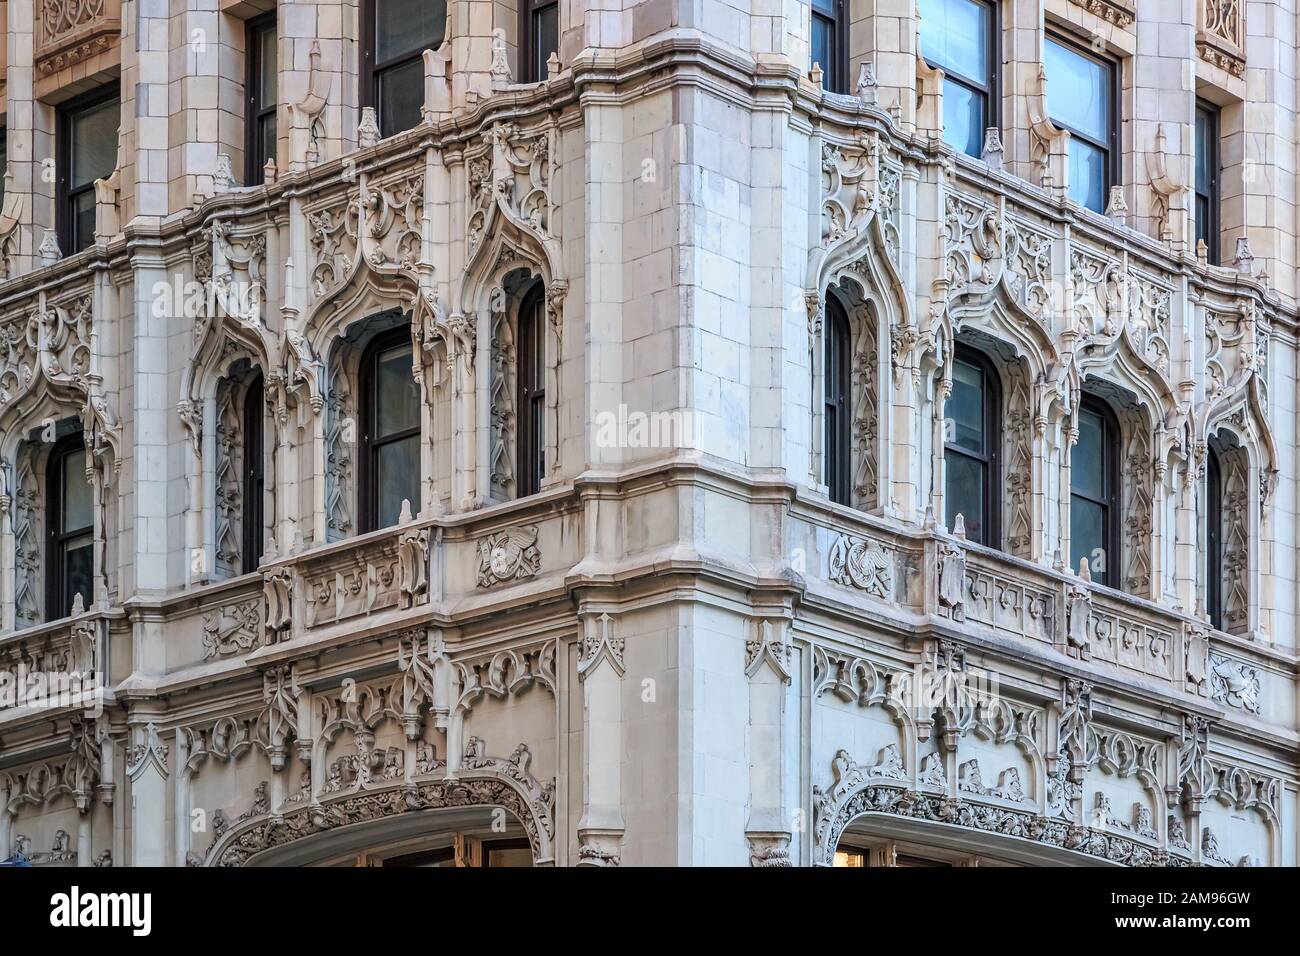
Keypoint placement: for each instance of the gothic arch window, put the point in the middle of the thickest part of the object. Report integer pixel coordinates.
(69, 522)
(839, 398)
(394, 36)
(531, 385)
(1095, 492)
(390, 431)
(254, 474)
(973, 447)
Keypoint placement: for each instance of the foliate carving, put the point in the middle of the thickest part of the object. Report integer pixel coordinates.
(852, 679)
(865, 564)
(1078, 739)
(229, 481)
(151, 751)
(1008, 787)
(340, 438)
(1116, 12)
(1195, 779)
(1097, 295)
(1234, 683)
(931, 773)
(232, 630)
(278, 722)
(509, 555)
(972, 243)
(1178, 836)
(71, 31)
(502, 407)
(600, 643)
(1236, 542)
(513, 671)
(1148, 322)
(1138, 492)
(768, 644)
(332, 233)
(831, 816)
(848, 175)
(1221, 37)
(395, 798)
(1029, 266)
(28, 533)
(224, 740)
(419, 659)
(392, 213)
(1019, 432)
(864, 382)
(769, 850)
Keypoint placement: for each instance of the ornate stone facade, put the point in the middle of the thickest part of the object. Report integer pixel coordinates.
(689, 620)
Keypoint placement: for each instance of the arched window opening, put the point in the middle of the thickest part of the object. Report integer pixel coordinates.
(972, 447)
(1094, 492)
(531, 384)
(839, 403)
(70, 519)
(390, 431)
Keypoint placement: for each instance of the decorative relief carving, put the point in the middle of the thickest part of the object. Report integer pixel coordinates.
(358, 583)
(768, 643)
(277, 598)
(1008, 786)
(509, 555)
(865, 564)
(1234, 682)
(1008, 603)
(1078, 739)
(28, 531)
(229, 480)
(1137, 478)
(150, 751)
(502, 407)
(865, 411)
(234, 629)
(1029, 266)
(1220, 40)
(513, 671)
(972, 243)
(277, 724)
(340, 439)
(952, 579)
(1235, 515)
(1019, 452)
(71, 31)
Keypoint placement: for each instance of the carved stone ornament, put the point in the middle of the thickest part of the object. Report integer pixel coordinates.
(509, 555)
(866, 565)
(277, 594)
(952, 580)
(151, 751)
(1078, 618)
(1234, 683)
(599, 643)
(768, 644)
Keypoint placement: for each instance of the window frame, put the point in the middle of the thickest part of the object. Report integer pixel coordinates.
(837, 408)
(368, 518)
(1113, 496)
(530, 391)
(835, 75)
(992, 459)
(254, 110)
(530, 71)
(1213, 199)
(1214, 538)
(56, 536)
(992, 95)
(65, 113)
(1113, 147)
(488, 847)
(253, 477)
(371, 71)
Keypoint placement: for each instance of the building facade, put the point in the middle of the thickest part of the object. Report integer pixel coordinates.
(856, 432)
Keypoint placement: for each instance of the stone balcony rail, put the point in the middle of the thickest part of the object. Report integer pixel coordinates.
(55, 670)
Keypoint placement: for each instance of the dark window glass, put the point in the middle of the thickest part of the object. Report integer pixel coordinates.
(507, 853)
(959, 37)
(971, 444)
(70, 517)
(391, 441)
(830, 43)
(539, 37)
(261, 86)
(838, 402)
(254, 482)
(4, 159)
(531, 378)
(87, 151)
(1094, 490)
(396, 33)
(1081, 95)
(1207, 179)
(1214, 540)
